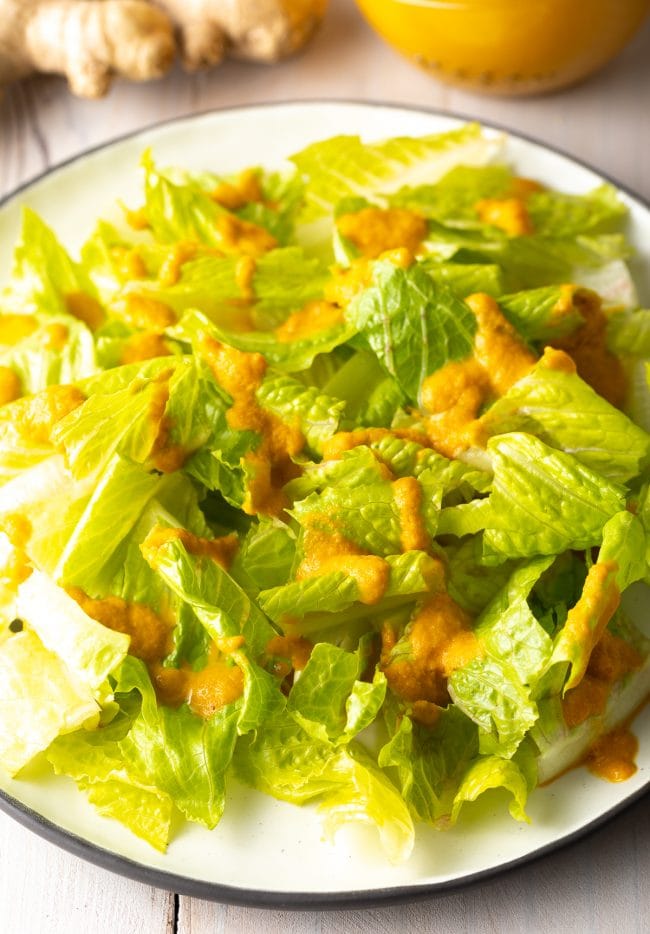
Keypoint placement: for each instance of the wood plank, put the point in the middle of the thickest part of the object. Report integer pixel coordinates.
(45, 889)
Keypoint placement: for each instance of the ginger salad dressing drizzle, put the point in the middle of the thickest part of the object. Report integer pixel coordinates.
(271, 463)
(454, 395)
(327, 550)
(612, 756)
(220, 682)
(374, 231)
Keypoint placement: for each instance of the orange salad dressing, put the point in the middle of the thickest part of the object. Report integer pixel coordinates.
(612, 756)
(128, 263)
(408, 498)
(10, 385)
(289, 653)
(85, 308)
(314, 317)
(221, 550)
(246, 189)
(440, 640)
(146, 313)
(171, 266)
(205, 691)
(144, 345)
(508, 214)
(326, 550)
(343, 441)
(454, 394)
(241, 374)
(587, 347)
(240, 236)
(375, 231)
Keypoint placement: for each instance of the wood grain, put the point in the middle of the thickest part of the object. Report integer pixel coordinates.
(598, 885)
(44, 889)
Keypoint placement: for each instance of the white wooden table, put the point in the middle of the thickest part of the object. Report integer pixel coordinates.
(597, 885)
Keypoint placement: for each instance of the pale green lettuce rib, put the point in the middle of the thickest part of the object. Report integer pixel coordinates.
(343, 166)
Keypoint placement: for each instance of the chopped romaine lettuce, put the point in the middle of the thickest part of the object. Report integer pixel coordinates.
(241, 538)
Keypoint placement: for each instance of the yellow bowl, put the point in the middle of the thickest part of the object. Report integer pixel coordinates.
(507, 46)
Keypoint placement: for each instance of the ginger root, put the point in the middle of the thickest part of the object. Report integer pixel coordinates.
(89, 41)
(85, 40)
(254, 30)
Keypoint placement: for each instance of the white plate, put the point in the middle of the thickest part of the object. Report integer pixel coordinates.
(265, 852)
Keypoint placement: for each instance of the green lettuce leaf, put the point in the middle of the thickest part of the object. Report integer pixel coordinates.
(491, 772)
(40, 699)
(182, 755)
(508, 630)
(38, 363)
(628, 332)
(89, 650)
(290, 356)
(555, 214)
(622, 561)
(371, 396)
(265, 556)
(223, 607)
(54, 672)
(542, 314)
(560, 409)
(544, 501)
(329, 701)
(179, 211)
(43, 273)
(320, 599)
(490, 693)
(453, 198)
(343, 166)
(93, 759)
(283, 280)
(428, 763)
(411, 324)
(285, 761)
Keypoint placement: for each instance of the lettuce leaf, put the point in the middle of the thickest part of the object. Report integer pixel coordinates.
(43, 272)
(343, 166)
(628, 332)
(285, 761)
(322, 599)
(53, 673)
(290, 356)
(428, 763)
(559, 408)
(544, 501)
(38, 361)
(493, 772)
(40, 699)
(556, 214)
(412, 325)
(453, 198)
(329, 701)
(182, 755)
(93, 759)
(89, 650)
(621, 561)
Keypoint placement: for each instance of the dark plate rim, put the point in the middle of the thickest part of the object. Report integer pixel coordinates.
(302, 900)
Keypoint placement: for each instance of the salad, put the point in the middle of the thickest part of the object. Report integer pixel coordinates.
(328, 481)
